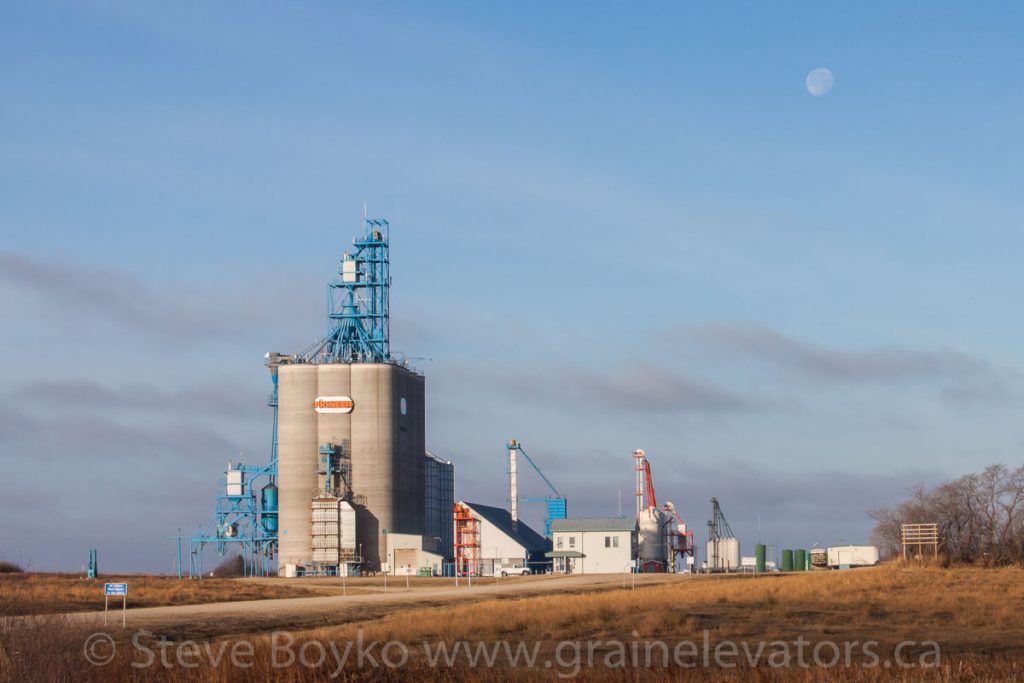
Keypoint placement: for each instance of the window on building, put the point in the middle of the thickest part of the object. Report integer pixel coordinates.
(615, 541)
(607, 541)
(558, 543)
(572, 541)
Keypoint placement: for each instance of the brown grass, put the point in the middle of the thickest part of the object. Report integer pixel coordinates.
(963, 609)
(977, 617)
(51, 593)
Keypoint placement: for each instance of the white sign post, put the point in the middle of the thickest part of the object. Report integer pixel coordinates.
(116, 589)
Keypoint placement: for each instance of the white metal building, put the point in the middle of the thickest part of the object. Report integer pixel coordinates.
(596, 545)
(503, 543)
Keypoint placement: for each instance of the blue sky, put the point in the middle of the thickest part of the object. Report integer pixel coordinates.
(613, 227)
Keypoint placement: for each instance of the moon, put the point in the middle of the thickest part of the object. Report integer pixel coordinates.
(819, 81)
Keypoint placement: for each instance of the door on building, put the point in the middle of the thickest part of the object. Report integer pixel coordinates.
(405, 558)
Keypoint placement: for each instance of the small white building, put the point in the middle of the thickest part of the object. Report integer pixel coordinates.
(595, 545)
(504, 543)
(411, 553)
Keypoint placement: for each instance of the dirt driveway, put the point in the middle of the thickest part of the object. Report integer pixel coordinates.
(369, 602)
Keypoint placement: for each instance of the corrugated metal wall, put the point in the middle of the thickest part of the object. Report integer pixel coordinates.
(439, 497)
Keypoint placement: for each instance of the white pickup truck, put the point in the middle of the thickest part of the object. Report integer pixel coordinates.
(515, 570)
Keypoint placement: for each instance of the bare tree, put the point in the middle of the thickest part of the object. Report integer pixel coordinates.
(980, 517)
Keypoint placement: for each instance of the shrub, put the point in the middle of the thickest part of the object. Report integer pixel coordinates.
(231, 566)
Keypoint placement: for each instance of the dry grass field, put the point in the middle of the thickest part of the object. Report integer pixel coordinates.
(966, 609)
(29, 593)
(964, 624)
(52, 593)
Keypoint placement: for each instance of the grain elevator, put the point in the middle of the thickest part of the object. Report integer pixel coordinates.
(351, 432)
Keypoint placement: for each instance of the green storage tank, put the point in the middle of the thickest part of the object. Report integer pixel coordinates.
(759, 556)
(787, 560)
(800, 560)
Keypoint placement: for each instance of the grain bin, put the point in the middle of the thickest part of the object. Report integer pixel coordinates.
(787, 560)
(723, 554)
(759, 557)
(652, 537)
(800, 560)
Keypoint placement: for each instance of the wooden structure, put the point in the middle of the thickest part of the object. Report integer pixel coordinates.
(919, 540)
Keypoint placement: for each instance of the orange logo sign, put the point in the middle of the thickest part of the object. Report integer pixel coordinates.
(333, 404)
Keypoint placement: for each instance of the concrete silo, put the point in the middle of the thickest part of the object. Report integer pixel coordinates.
(383, 425)
(296, 461)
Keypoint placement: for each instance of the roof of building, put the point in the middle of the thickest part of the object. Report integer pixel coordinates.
(594, 524)
(502, 519)
(437, 458)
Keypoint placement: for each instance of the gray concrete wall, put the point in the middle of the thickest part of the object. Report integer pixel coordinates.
(296, 461)
(387, 449)
(336, 428)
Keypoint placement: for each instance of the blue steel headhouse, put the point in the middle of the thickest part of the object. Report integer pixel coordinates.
(358, 327)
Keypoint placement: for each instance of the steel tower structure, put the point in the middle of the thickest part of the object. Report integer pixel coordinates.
(555, 503)
(718, 529)
(245, 513)
(358, 324)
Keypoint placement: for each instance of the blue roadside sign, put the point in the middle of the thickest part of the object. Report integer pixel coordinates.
(115, 589)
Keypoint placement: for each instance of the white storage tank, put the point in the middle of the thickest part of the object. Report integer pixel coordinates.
(729, 548)
(724, 554)
(652, 537)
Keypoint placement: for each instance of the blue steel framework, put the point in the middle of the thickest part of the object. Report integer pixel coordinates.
(556, 503)
(94, 569)
(245, 517)
(358, 323)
